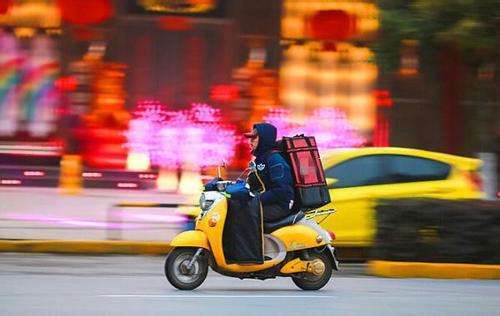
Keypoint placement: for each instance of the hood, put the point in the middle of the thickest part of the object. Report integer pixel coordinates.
(267, 138)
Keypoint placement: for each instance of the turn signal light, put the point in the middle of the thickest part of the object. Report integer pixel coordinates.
(212, 222)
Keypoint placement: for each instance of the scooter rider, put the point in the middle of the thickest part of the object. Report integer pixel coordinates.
(273, 173)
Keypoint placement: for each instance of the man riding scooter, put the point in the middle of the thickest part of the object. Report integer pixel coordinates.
(274, 178)
(254, 229)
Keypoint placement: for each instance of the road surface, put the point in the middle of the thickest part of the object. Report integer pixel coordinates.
(44, 284)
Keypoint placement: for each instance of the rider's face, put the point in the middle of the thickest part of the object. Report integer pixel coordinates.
(254, 141)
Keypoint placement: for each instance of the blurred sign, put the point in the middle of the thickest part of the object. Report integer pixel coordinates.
(37, 14)
(86, 11)
(178, 6)
(174, 23)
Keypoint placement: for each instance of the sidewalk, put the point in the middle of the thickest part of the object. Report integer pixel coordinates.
(45, 214)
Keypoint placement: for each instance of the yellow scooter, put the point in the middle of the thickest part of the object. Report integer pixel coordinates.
(295, 247)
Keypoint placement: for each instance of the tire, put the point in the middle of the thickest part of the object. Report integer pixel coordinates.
(175, 269)
(311, 282)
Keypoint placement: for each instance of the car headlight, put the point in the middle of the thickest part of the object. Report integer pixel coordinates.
(204, 203)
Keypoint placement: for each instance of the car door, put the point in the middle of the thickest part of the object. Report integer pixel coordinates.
(359, 182)
(353, 223)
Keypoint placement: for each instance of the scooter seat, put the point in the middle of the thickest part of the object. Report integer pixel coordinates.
(285, 221)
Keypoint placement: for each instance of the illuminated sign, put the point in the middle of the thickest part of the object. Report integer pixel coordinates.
(178, 6)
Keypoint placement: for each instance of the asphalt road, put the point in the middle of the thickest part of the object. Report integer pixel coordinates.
(41, 284)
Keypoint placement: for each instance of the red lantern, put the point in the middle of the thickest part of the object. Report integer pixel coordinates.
(4, 6)
(336, 25)
(383, 98)
(68, 83)
(224, 93)
(86, 11)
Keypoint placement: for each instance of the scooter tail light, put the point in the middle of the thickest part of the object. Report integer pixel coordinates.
(332, 235)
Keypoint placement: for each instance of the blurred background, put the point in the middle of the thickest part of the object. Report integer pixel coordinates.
(146, 97)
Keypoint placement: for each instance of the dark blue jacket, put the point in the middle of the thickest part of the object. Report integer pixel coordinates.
(272, 168)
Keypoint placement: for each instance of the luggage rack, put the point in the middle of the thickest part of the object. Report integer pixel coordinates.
(318, 212)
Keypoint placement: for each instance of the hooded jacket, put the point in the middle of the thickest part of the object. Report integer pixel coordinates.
(272, 168)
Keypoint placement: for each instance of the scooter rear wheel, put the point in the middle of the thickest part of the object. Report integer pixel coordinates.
(311, 282)
(178, 273)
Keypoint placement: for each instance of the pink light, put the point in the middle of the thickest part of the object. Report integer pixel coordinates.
(142, 135)
(82, 222)
(168, 218)
(127, 185)
(30, 173)
(191, 138)
(147, 176)
(329, 126)
(332, 129)
(10, 182)
(91, 174)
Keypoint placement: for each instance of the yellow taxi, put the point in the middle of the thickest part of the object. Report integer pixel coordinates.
(358, 177)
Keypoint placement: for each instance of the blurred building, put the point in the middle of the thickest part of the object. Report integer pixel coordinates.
(180, 52)
(29, 68)
(326, 62)
(245, 57)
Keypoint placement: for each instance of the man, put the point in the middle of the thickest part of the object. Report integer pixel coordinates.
(273, 172)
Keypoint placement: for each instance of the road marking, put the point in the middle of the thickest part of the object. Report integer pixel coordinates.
(210, 296)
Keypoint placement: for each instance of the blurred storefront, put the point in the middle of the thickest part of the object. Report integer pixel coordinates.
(29, 67)
(326, 62)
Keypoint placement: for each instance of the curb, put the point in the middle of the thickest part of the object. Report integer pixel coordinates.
(397, 269)
(85, 246)
(103, 247)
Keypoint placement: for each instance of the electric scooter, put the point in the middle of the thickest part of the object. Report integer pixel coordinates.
(295, 246)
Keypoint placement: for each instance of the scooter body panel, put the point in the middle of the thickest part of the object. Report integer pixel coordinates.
(212, 224)
(300, 236)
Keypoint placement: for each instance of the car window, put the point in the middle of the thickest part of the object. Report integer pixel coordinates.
(366, 170)
(386, 169)
(410, 169)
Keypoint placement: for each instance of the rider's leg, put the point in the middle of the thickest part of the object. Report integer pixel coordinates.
(274, 212)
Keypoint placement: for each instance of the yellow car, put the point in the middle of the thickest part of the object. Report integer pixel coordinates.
(358, 177)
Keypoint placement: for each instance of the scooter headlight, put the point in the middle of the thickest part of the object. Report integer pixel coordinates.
(204, 203)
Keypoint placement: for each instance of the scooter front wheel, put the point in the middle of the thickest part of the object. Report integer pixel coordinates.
(182, 271)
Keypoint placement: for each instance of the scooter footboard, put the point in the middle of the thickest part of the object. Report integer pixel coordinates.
(191, 238)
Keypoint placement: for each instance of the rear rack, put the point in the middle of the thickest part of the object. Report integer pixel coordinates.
(318, 212)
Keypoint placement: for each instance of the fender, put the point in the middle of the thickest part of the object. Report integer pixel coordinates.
(191, 238)
(332, 254)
